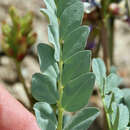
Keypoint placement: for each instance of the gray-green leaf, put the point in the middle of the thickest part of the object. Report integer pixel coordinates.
(43, 89)
(47, 62)
(77, 92)
(83, 119)
(53, 37)
(76, 65)
(78, 39)
(63, 4)
(99, 70)
(123, 115)
(118, 95)
(50, 4)
(53, 28)
(45, 116)
(51, 16)
(71, 19)
(112, 81)
(126, 96)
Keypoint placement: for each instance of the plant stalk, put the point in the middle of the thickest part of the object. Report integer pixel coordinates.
(111, 39)
(108, 124)
(107, 114)
(104, 42)
(20, 76)
(97, 49)
(60, 89)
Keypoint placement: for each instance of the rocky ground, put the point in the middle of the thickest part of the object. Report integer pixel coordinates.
(8, 75)
(122, 50)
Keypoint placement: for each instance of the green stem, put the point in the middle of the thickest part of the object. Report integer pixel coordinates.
(107, 114)
(60, 88)
(20, 76)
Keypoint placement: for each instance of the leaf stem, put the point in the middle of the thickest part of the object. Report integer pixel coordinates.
(107, 114)
(60, 89)
(108, 120)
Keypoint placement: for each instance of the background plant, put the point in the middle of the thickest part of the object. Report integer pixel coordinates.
(65, 83)
(101, 15)
(115, 100)
(17, 39)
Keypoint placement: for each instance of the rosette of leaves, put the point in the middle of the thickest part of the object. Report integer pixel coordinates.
(117, 114)
(18, 37)
(65, 83)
